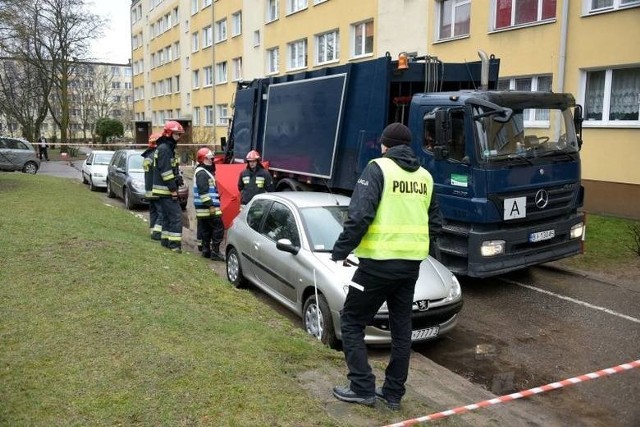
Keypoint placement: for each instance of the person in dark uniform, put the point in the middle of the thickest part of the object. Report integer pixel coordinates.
(206, 200)
(254, 179)
(155, 214)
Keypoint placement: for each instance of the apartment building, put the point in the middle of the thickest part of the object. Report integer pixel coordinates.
(189, 54)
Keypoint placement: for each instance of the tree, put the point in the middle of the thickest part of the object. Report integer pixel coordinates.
(107, 128)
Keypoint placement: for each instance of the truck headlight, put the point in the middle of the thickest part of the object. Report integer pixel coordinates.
(492, 247)
(577, 231)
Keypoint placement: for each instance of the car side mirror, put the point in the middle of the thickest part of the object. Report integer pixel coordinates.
(286, 246)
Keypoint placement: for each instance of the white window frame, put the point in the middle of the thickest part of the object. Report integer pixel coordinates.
(206, 3)
(606, 101)
(222, 115)
(271, 11)
(207, 36)
(273, 60)
(513, 24)
(256, 38)
(196, 116)
(195, 42)
(220, 30)
(319, 1)
(236, 69)
(297, 55)
(221, 72)
(236, 24)
(451, 8)
(195, 79)
(208, 76)
(324, 40)
(355, 45)
(294, 6)
(208, 115)
(194, 7)
(530, 120)
(588, 9)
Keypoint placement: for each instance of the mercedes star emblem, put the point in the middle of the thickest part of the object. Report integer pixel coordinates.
(542, 199)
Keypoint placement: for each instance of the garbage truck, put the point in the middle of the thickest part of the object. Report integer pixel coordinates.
(505, 164)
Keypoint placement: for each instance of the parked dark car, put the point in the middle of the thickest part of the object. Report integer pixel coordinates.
(125, 180)
(18, 155)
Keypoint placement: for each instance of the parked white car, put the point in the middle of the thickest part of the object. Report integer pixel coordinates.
(94, 169)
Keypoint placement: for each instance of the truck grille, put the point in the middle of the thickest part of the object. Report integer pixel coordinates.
(561, 200)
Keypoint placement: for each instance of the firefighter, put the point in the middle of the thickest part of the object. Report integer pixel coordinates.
(254, 179)
(166, 180)
(155, 214)
(206, 200)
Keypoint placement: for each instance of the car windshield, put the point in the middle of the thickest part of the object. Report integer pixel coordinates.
(323, 225)
(135, 163)
(102, 158)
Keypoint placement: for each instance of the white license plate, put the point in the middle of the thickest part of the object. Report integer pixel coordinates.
(421, 334)
(542, 235)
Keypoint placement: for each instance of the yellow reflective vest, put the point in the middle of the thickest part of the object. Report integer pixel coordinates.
(400, 229)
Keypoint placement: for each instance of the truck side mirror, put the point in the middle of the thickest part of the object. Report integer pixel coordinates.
(443, 127)
(577, 123)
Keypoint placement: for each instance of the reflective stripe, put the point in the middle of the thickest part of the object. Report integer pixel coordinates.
(168, 175)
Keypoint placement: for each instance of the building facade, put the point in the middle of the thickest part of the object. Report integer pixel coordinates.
(187, 56)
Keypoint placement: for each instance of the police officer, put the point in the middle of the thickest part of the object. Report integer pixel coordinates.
(166, 179)
(207, 203)
(254, 179)
(391, 215)
(155, 214)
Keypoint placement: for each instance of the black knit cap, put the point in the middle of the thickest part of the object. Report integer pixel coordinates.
(395, 134)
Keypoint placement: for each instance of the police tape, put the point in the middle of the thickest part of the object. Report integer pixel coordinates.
(520, 394)
(117, 144)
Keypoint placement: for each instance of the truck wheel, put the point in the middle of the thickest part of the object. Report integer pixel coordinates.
(288, 184)
(317, 320)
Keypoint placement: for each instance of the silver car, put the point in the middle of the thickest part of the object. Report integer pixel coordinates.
(95, 167)
(281, 243)
(18, 155)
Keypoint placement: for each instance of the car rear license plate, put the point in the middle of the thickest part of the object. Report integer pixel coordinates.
(542, 235)
(420, 334)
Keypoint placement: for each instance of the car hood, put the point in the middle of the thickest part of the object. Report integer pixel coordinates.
(434, 281)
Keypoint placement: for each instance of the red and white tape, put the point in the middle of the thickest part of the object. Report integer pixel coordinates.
(520, 394)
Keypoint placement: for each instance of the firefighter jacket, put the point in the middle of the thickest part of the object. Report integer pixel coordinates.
(254, 182)
(205, 192)
(147, 166)
(165, 168)
(363, 208)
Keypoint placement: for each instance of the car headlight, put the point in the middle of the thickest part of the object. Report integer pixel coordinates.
(455, 291)
(98, 175)
(137, 185)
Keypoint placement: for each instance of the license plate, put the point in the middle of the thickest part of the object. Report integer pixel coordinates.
(542, 235)
(421, 334)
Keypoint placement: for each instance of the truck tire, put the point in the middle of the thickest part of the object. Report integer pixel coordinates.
(288, 184)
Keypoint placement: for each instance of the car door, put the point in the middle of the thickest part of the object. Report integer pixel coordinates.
(5, 155)
(86, 167)
(272, 266)
(119, 174)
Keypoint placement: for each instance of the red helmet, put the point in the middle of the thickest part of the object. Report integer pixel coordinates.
(253, 155)
(153, 138)
(173, 127)
(204, 153)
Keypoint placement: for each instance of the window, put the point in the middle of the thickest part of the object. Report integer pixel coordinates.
(296, 5)
(194, 7)
(207, 37)
(362, 38)
(177, 85)
(272, 10)
(208, 115)
(297, 52)
(236, 24)
(237, 69)
(195, 42)
(196, 116)
(206, 3)
(221, 30)
(532, 117)
(195, 79)
(612, 96)
(221, 72)
(319, 1)
(222, 115)
(327, 47)
(256, 212)
(510, 13)
(454, 17)
(591, 6)
(208, 76)
(176, 50)
(281, 224)
(256, 38)
(273, 60)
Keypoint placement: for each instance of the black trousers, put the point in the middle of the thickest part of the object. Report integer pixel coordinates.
(172, 222)
(359, 309)
(210, 233)
(155, 219)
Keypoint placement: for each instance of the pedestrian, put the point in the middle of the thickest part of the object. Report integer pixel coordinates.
(254, 179)
(155, 213)
(166, 180)
(206, 200)
(43, 148)
(391, 216)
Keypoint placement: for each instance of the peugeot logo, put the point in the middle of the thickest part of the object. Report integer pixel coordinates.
(542, 199)
(423, 305)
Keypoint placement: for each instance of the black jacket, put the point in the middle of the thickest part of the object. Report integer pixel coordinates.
(164, 165)
(250, 189)
(362, 210)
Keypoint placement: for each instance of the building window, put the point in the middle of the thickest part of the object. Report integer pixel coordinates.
(221, 72)
(319, 1)
(533, 117)
(222, 115)
(612, 96)
(195, 42)
(208, 115)
(256, 38)
(236, 24)
(296, 5)
(221, 30)
(272, 10)
(194, 7)
(207, 39)
(237, 69)
(593, 6)
(206, 3)
(510, 13)
(273, 60)
(196, 116)
(454, 18)
(327, 47)
(362, 38)
(208, 76)
(177, 85)
(195, 79)
(297, 54)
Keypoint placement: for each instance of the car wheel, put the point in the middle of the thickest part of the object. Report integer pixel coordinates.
(91, 186)
(30, 167)
(127, 199)
(234, 269)
(317, 320)
(84, 180)
(110, 193)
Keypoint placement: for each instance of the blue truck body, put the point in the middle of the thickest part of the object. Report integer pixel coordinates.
(505, 164)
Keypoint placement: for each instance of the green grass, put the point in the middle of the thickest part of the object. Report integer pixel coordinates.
(102, 326)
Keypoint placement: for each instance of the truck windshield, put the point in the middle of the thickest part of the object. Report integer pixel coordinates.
(529, 134)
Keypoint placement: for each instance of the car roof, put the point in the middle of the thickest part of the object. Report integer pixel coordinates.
(102, 152)
(307, 199)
